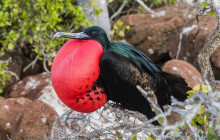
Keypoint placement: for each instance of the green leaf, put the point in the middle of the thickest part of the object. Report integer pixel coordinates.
(10, 46)
(160, 120)
(204, 4)
(211, 13)
(127, 27)
(1, 90)
(196, 88)
(134, 137)
(210, 135)
(118, 135)
(205, 89)
(149, 138)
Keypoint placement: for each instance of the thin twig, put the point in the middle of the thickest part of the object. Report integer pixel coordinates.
(145, 7)
(119, 9)
(5, 61)
(31, 64)
(45, 65)
(12, 73)
(113, 119)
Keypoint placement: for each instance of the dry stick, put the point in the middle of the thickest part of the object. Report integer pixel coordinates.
(210, 46)
(5, 61)
(31, 64)
(57, 121)
(212, 102)
(13, 74)
(145, 7)
(45, 65)
(119, 10)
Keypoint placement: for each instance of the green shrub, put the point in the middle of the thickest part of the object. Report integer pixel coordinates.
(118, 31)
(34, 22)
(4, 77)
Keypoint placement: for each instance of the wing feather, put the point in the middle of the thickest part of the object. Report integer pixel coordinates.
(142, 61)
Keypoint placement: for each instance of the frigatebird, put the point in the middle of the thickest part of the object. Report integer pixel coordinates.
(89, 70)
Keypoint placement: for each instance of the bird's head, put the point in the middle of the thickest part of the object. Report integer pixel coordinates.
(92, 33)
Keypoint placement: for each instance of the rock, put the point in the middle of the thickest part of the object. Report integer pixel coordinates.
(10, 111)
(191, 75)
(35, 123)
(153, 35)
(30, 87)
(3, 135)
(50, 98)
(194, 36)
(215, 58)
(16, 65)
(38, 87)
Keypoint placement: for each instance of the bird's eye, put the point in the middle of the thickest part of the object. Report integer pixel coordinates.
(93, 33)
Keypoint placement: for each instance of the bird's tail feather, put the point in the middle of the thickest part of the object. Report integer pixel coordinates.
(178, 86)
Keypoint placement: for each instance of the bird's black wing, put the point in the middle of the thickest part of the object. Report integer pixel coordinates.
(119, 77)
(145, 65)
(142, 61)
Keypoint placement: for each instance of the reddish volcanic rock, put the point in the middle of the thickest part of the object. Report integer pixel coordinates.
(35, 123)
(153, 35)
(186, 70)
(193, 39)
(10, 111)
(187, 44)
(38, 87)
(30, 86)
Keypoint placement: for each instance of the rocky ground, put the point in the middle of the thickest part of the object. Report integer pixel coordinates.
(29, 105)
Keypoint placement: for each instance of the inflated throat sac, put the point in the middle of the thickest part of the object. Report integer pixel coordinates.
(74, 72)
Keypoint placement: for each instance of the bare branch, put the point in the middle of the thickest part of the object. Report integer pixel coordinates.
(5, 61)
(105, 122)
(45, 65)
(145, 7)
(13, 74)
(31, 64)
(119, 10)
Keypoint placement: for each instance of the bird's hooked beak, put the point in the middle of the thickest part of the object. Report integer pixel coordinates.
(80, 35)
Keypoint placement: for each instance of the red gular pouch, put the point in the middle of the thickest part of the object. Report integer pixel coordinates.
(74, 72)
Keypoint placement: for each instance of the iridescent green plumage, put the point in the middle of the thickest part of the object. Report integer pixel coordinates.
(142, 61)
